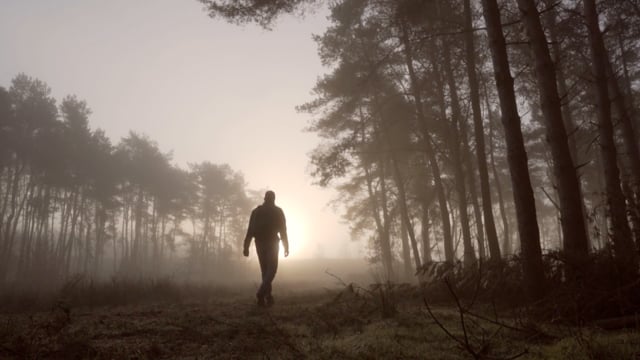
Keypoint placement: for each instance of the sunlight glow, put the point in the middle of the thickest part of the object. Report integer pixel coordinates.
(297, 231)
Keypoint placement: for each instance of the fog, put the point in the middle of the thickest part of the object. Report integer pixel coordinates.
(319, 179)
(199, 88)
(137, 139)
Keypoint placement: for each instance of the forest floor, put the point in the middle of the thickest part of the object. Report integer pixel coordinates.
(167, 322)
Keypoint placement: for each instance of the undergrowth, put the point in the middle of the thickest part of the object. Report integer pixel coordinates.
(453, 314)
(599, 292)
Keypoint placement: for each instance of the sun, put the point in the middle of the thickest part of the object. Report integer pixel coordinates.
(296, 229)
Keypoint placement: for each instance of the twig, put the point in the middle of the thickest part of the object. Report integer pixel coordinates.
(550, 198)
(465, 343)
(478, 286)
(435, 319)
(461, 311)
(336, 277)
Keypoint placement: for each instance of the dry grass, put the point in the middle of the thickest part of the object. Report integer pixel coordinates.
(162, 320)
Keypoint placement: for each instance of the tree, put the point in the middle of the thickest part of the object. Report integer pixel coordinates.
(66, 192)
(474, 92)
(621, 233)
(259, 11)
(516, 155)
(576, 242)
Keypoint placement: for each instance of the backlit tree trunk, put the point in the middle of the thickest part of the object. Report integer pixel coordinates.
(489, 222)
(456, 117)
(378, 207)
(567, 116)
(533, 269)
(623, 246)
(576, 242)
(506, 236)
(426, 141)
(426, 241)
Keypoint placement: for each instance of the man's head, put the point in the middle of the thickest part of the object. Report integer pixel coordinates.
(269, 197)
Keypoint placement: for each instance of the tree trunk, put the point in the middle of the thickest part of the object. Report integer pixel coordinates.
(628, 131)
(13, 209)
(623, 246)
(406, 252)
(430, 153)
(506, 236)
(426, 241)
(154, 236)
(489, 222)
(567, 116)
(68, 251)
(631, 148)
(456, 117)
(473, 193)
(382, 223)
(137, 238)
(627, 85)
(576, 242)
(404, 212)
(533, 269)
(385, 242)
(405, 220)
(163, 235)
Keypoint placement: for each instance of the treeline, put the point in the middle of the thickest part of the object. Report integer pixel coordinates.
(71, 202)
(459, 129)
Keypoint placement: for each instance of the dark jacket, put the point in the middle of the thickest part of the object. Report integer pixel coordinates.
(267, 220)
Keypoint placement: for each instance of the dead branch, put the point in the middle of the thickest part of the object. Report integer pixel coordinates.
(461, 311)
(440, 325)
(465, 343)
(336, 277)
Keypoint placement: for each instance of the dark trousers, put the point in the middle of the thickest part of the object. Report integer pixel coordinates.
(268, 258)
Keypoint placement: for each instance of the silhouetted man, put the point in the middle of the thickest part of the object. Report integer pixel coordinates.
(267, 220)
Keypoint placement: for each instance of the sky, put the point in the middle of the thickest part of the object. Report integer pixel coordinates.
(204, 89)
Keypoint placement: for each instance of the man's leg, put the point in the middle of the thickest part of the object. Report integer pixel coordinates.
(271, 271)
(268, 256)
(263, 261)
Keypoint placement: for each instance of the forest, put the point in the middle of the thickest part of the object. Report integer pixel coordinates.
(423, 129)
(486, 151)
(74, 203)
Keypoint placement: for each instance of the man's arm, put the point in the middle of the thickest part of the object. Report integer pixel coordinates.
(250, 234)
(283, 233)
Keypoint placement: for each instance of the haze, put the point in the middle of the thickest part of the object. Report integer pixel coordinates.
(483, 155)
(204, 90)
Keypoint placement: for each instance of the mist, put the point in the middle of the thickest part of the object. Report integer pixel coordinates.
(345, 178)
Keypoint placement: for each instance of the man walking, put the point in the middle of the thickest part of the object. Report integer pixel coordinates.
(267, 220)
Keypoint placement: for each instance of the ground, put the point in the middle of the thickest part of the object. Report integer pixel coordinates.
(168, 322)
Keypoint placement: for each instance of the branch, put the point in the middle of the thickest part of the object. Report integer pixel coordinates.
(336, 277)
(435, 319)
(550, 198)
(461, 311)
